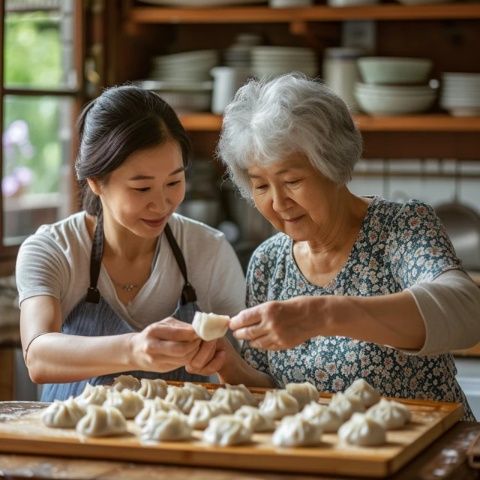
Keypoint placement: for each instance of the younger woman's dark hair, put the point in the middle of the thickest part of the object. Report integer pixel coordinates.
(118, 123)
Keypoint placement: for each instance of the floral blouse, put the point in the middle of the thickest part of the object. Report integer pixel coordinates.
(398, 246)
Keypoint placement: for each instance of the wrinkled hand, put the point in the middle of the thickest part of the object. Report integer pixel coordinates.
(164, 346)
(210, 358)
(277, 325)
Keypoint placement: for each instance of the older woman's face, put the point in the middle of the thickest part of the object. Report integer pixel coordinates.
(294, 197)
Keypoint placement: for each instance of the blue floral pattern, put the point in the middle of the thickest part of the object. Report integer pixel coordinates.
(398, 245)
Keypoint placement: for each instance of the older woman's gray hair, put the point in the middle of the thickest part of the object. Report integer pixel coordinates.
(270, 119)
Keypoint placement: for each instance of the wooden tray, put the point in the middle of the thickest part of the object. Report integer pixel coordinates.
(27, 434)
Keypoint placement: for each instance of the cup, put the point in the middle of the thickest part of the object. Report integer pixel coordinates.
(226, 82)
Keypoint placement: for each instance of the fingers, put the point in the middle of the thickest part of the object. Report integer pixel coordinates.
(250, 333)
(212, 367)
(172, 330)
(172, 349)
(204, 355)
(245, 318)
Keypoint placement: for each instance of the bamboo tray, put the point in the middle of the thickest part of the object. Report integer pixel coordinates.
(27, 434)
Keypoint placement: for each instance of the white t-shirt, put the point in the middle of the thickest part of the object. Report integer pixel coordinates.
(55, 261)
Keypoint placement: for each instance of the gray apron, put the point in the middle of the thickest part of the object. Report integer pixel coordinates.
(93, 316)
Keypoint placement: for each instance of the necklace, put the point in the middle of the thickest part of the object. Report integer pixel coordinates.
(126, 287)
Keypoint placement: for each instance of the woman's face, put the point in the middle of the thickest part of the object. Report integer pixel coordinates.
(294, 197)
(145, 190)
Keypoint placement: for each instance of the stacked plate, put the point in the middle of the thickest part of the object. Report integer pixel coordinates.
(274, 61)
(239, 54)
(461, 94)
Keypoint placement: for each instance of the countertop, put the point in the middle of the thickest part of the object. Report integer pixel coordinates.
(445, 459)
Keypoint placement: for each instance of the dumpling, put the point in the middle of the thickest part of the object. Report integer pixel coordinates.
(92, 395)
(167, 427)
(230, 398)
(254, 420)
(364, 391)
(150, 408)
(362, 431)
(278, 404)
(323, 416)
(199, 392)
(181, 397)
(250, 398)
(390, 414)
(304, 392)
(346, 406)
(126, 381)
(152, 388)
(209, 326)
(101, 421)
(296, 431)
(127, 401)
(64, 414)
(202, 411)
(226, 430)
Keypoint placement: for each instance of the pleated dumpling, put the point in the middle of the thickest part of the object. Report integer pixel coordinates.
(209, 326)
(390, 414)
(362, 431)
(321, 415)
(296, 431)
(150, 408)
(64, 414)
(127, 401)
(203, 411)
(123, 382)
(361, 389)
(278, 404)
(250, 398)
(230, 398)
(166, 427)
(346, 406)
(226, 430)
(303, 392)
(254, 420)
(153, 388)
(199, 392)
(181, 397)
(101, 422)
(92, 395)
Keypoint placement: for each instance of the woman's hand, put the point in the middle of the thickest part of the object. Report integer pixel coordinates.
(164, 346)
(210, 357)
(277, 325)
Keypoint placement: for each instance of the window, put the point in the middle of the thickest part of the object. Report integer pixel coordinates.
(40, 96)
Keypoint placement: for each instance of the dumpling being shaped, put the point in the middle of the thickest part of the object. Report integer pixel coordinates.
(278, 403)
(230, 398)
(209, 326)
(204, 410)
(364, 391)
(296, 431)
(152, 388)
(92, 395)
(346, 406)
(101, 422)
(250, 398)
(254, 419)
(362, 431)
(150, 408)
(167, 427)
(123, 382)
(321, 415)
(304, 392)
(226, 430)
(127, 401)
(181, 397)
(199, 392)
(390, 414)
(63, 414)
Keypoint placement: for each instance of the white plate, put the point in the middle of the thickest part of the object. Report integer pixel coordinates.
(200, 3)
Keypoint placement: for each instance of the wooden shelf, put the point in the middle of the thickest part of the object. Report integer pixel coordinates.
(207, 122)
(263, 14)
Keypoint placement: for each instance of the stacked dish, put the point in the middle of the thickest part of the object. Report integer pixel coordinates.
(394, 86)
(461, 94)
(274, 61)
(239, 54)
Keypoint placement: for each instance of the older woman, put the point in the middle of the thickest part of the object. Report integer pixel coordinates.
(351, 286)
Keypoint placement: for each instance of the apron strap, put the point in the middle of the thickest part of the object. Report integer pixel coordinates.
(188, 292)
(93, 295)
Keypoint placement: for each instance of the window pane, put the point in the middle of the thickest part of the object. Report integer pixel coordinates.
(39, 44)
(36, 153)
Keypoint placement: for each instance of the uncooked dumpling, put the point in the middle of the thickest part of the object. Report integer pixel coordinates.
(364, 391)
(250, 399)
(304, 392)
(126, 382)
(323, 416)
(230, 398)
(204, 410)
(254, 420)
(296, 431)
(152, 388)
(362, 431)
(64, 414)
(226, 430)
(346, 406)
(167, 427)
(127, 401)
(101, 421)
(389, 413)
(92, 395)
(199, 392)
(181, 397)
(151, 407)
(278, 404)
(209, 326)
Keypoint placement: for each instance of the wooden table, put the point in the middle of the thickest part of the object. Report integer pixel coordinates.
(444, 459)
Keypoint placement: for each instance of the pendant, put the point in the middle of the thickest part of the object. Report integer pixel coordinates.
(128, 287)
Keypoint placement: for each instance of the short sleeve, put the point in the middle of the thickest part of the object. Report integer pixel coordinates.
(419, 246)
